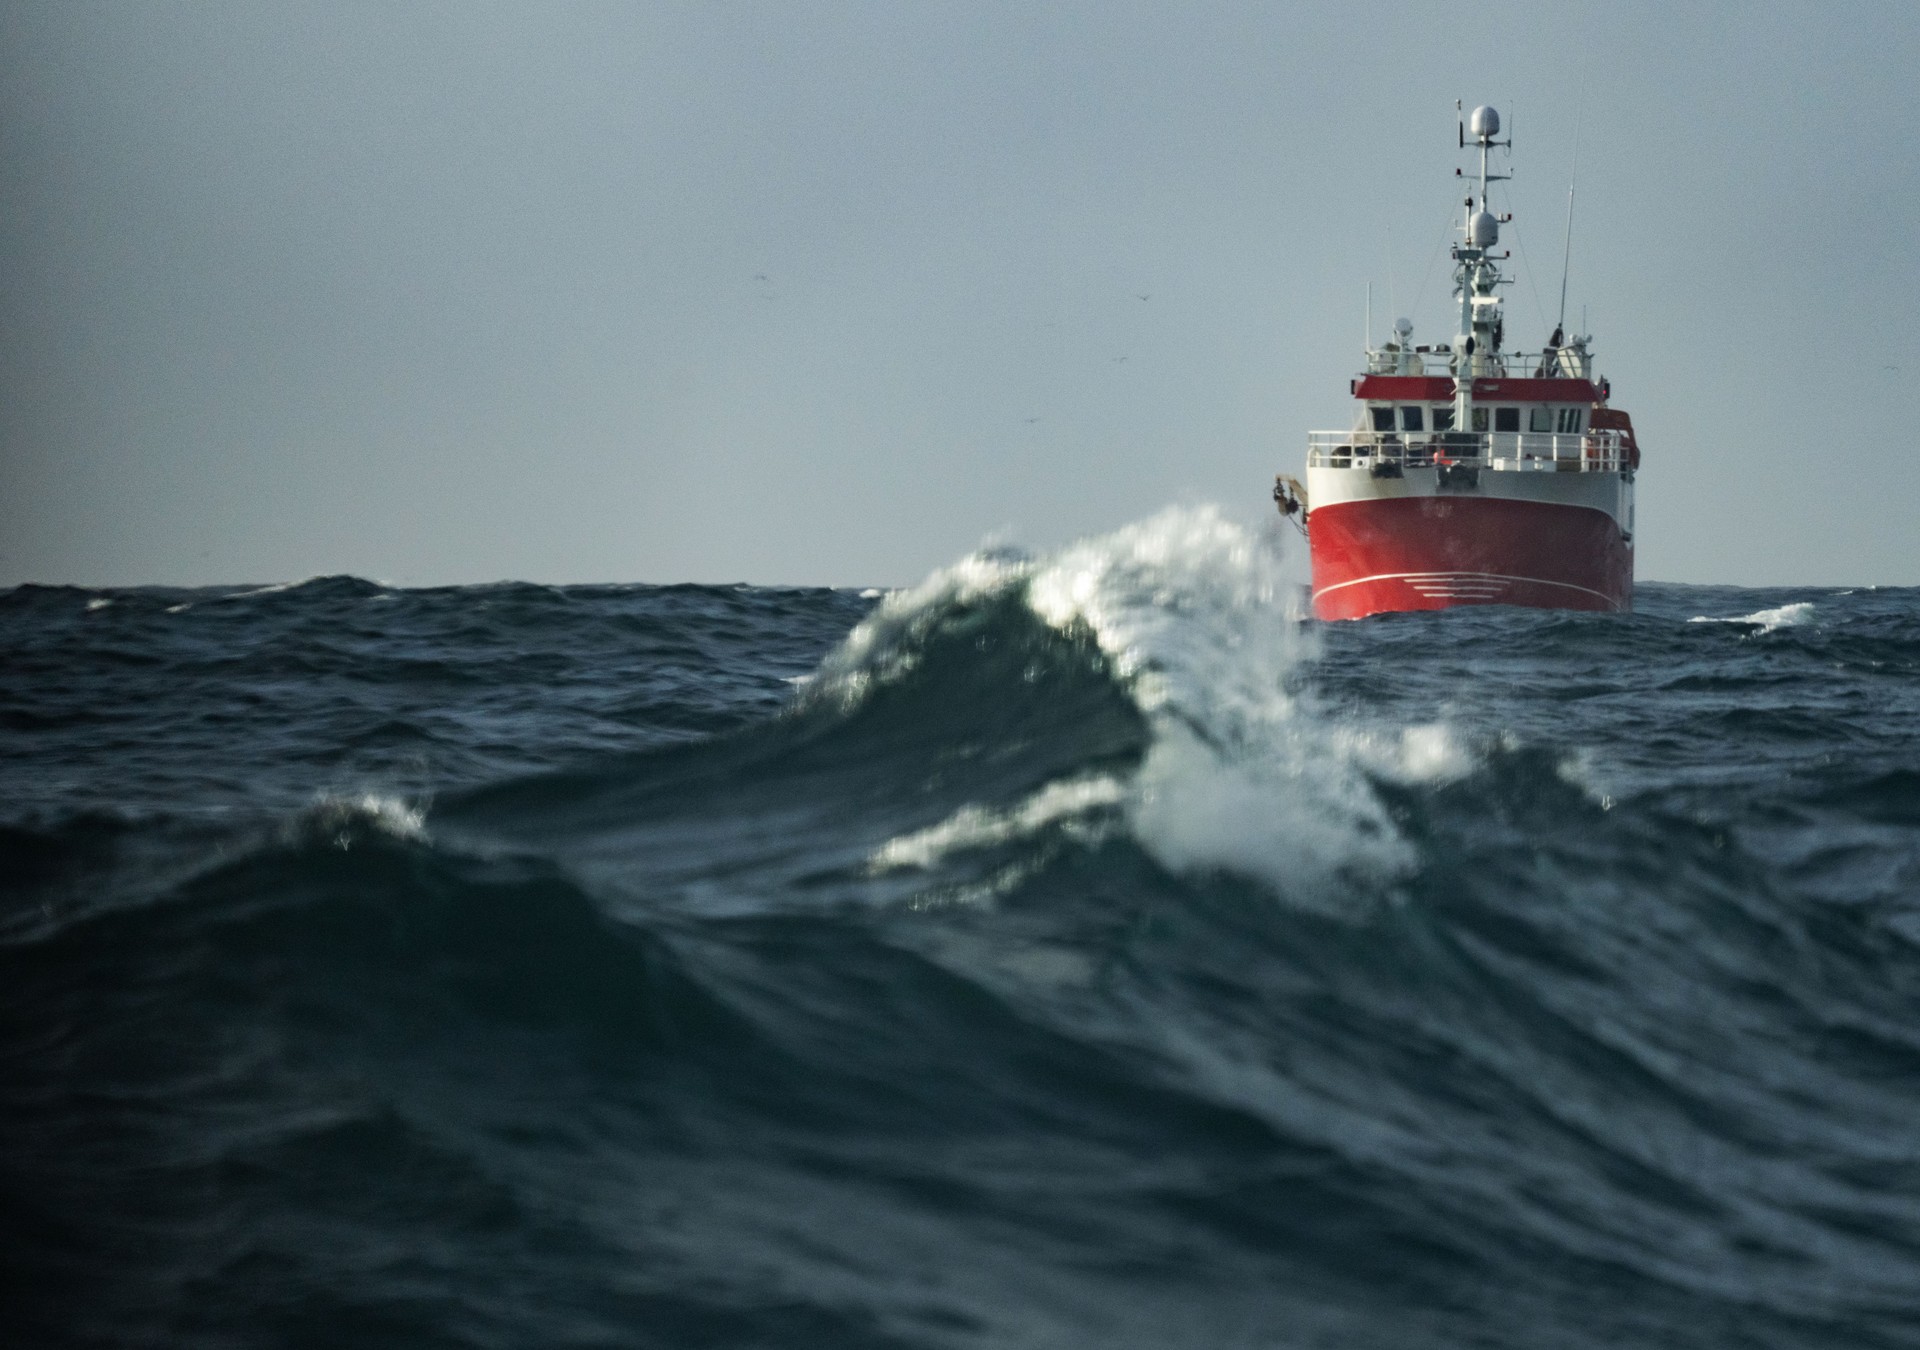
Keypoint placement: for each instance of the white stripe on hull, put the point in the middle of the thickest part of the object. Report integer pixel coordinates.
(1463, 585)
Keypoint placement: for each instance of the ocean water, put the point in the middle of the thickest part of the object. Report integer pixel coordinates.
(1075, 950)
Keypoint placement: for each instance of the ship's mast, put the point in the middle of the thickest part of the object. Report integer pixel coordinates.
(1475, 273)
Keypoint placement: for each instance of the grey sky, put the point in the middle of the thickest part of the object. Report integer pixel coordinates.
(830, 292)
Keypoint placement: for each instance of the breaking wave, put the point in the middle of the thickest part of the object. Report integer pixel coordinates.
(1241, 772)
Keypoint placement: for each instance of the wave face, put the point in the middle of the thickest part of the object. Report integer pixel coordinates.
(1073, 950)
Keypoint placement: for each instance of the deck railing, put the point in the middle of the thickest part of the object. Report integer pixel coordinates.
(1518, 451)
(1559, 363)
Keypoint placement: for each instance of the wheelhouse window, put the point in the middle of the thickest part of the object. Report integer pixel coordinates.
(1506, 419)
(1479, 419)
(1570, 419)
(1443, 417)
(1382, 418)
(1540, 419)
(1413, 419)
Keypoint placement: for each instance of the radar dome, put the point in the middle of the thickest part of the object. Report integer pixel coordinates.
(1484, 121)
(1483, 231)
(1403, 327)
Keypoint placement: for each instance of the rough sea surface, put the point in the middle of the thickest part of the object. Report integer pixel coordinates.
(1072, 951)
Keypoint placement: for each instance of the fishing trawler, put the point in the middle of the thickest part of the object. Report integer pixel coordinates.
(1472, 475)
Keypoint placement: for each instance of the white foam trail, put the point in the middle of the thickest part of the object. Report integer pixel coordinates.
(96, 605)
(1240, 775)
(1767, 620)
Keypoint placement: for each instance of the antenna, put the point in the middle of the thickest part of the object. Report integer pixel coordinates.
(1566, 264)
(1573, 181)
(1369, 316)
(1393, 305)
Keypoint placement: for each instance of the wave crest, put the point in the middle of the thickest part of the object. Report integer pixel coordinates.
(1767, 620)
(342, 820)
(1242, 773)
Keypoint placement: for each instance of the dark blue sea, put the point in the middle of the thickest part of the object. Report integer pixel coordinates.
(1076, 950)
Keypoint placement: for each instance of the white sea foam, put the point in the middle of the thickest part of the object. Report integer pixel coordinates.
(973, 827)
(1767, 620)
(97, 604)
(1430, 752)
(1241, 775)
(272, 589)
(1580, 770)
(884, 646)
(341, 818)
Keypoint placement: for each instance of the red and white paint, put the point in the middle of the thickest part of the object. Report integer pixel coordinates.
(1473, 475)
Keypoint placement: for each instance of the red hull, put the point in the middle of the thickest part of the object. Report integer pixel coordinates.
(1401, 553)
